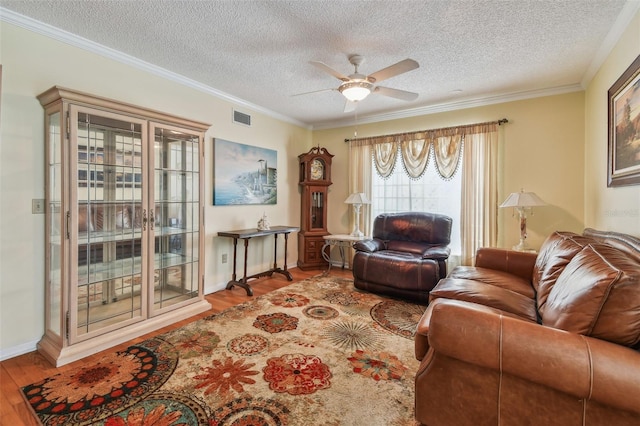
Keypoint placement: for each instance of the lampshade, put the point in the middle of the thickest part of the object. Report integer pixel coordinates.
(523, 199)
(523, 203)
(355, 90)
(357, 198)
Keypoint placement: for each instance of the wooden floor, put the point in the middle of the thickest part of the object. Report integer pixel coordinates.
(32, 367)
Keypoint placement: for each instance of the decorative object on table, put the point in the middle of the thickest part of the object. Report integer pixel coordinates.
(624, 128)
(244, 174)
(523, 202)
(315, 179)
(263, 223)
(284, 358)
(357, 199)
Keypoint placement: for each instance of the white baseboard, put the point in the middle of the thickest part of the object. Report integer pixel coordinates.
(24, 348)
(212, 288)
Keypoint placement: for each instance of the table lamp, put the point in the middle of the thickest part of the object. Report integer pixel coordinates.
(357, 199)
(523, 202)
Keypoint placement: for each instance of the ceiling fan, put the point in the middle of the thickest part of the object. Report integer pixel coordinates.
(356, 87)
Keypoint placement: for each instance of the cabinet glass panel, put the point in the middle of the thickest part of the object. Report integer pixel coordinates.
(55, 224)
(176, 216)
(109, 220)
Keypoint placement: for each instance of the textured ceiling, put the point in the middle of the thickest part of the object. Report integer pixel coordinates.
(258, 52)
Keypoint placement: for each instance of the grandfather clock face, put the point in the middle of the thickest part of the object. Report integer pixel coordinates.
(317, 169)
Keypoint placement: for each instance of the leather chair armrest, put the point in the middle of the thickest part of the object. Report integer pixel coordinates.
(514, 262)
(584, 367)
(437, 252)
(369, 246)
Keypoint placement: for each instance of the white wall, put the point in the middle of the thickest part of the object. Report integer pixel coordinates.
(32, 64)
(614, 209)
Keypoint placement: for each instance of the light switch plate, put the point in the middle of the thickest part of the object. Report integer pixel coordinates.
(37, 206)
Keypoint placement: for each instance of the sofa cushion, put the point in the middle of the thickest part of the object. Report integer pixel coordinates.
(597, 294)
(555, 253)
(498, 278)
(486, 295)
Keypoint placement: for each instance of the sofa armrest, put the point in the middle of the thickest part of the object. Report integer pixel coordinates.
(370, 246)
(584, 367)
(437, 253)
(421, 338)
(514, 262)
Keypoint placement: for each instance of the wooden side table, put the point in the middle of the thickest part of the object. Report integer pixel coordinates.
(341, 241)
(246, 235)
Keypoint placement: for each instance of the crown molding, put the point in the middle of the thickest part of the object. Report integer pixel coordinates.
(625, 17)
(451, 106)
(93, 47)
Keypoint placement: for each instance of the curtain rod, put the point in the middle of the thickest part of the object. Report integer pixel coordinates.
(498, 122)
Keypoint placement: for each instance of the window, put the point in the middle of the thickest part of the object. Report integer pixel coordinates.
(430, 193)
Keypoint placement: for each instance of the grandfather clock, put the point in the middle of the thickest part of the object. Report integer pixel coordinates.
(315, 179)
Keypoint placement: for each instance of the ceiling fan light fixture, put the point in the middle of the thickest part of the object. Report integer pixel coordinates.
(355, 90)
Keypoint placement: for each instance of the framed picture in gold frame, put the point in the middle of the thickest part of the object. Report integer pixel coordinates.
(624, 128)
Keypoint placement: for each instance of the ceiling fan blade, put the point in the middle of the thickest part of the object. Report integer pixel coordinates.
(393, 70)
(326, 68)
(350, 106)
(314, 91)
(396, 93)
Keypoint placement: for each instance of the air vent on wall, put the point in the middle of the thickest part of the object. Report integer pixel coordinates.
(241, 118)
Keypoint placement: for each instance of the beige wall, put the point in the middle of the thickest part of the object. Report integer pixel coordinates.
(541, 151)
(615, 209)
(33, 63)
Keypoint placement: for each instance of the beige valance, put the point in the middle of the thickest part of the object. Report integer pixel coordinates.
(416, 148)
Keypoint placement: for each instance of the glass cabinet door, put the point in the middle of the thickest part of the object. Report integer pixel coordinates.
(110, 219)
(55, 223)
(175, 217)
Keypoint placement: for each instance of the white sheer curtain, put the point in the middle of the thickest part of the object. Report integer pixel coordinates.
(479, 203)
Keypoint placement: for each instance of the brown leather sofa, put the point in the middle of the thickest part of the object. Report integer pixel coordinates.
(406, 256)
(520, 339)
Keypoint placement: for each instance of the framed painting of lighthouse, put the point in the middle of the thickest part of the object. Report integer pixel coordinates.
(244, 174)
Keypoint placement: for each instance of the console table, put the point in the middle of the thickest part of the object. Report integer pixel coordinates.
(246, 235)
(341, 241)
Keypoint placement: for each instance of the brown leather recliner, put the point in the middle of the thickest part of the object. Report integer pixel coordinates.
(406, 256)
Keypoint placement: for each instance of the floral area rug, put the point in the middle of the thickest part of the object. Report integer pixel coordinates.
(318, 352)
